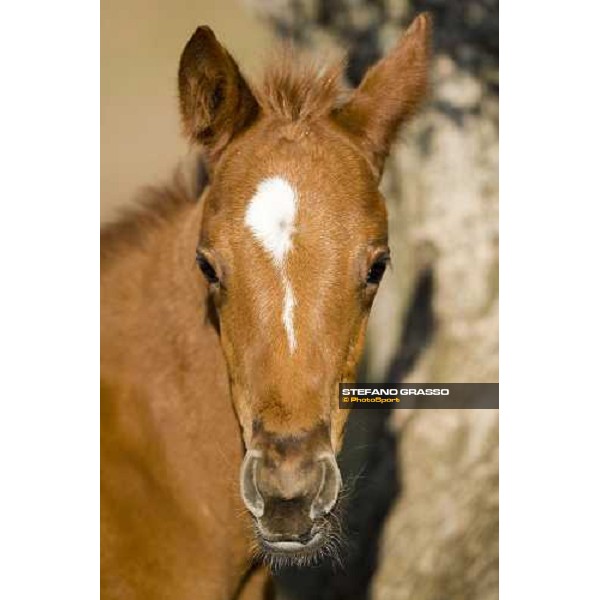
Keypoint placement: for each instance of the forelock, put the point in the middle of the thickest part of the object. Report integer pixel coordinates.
(296, 87)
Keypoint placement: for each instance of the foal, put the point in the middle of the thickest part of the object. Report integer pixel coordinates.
(220, 418)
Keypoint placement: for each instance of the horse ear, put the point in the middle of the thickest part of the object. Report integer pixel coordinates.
(214, 99)
(390, 92)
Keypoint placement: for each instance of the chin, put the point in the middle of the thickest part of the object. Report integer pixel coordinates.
(291, 553)
(322, 546)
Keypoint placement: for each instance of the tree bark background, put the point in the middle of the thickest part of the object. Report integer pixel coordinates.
(424, 516)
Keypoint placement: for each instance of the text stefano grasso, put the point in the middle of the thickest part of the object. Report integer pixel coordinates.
(395, 391)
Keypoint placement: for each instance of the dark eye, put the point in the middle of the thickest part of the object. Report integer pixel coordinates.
(207, 269)
(377, 270)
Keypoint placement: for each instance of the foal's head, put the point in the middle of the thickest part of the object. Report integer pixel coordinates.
(293, 244)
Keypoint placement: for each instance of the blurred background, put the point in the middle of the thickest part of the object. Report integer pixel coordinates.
(422, 514)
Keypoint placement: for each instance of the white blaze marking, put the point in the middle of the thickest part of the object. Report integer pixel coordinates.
(271, 216)
(289, 301)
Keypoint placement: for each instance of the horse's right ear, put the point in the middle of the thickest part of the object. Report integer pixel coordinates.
(214, 99)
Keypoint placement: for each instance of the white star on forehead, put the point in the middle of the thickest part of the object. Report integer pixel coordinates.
(271, 216)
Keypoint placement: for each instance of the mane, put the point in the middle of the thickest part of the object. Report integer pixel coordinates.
(154, 206)
(296, 87)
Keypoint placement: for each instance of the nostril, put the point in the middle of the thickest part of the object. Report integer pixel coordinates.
(252, 498)
(331, 481)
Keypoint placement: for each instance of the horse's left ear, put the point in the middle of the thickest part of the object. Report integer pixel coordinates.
(214, 99)
(390, 92)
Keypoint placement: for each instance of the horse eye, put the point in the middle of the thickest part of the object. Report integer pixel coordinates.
(207, 269)
(376, 271)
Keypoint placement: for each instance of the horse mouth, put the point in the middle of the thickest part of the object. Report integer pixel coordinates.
(292, 552)
(294, 546)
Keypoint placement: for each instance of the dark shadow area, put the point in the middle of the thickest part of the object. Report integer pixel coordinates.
(369, 467)
(418, 331)
(465, 30)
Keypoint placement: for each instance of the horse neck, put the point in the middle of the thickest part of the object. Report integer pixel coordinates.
(161, 357)
(165, 395)
(151, 288)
